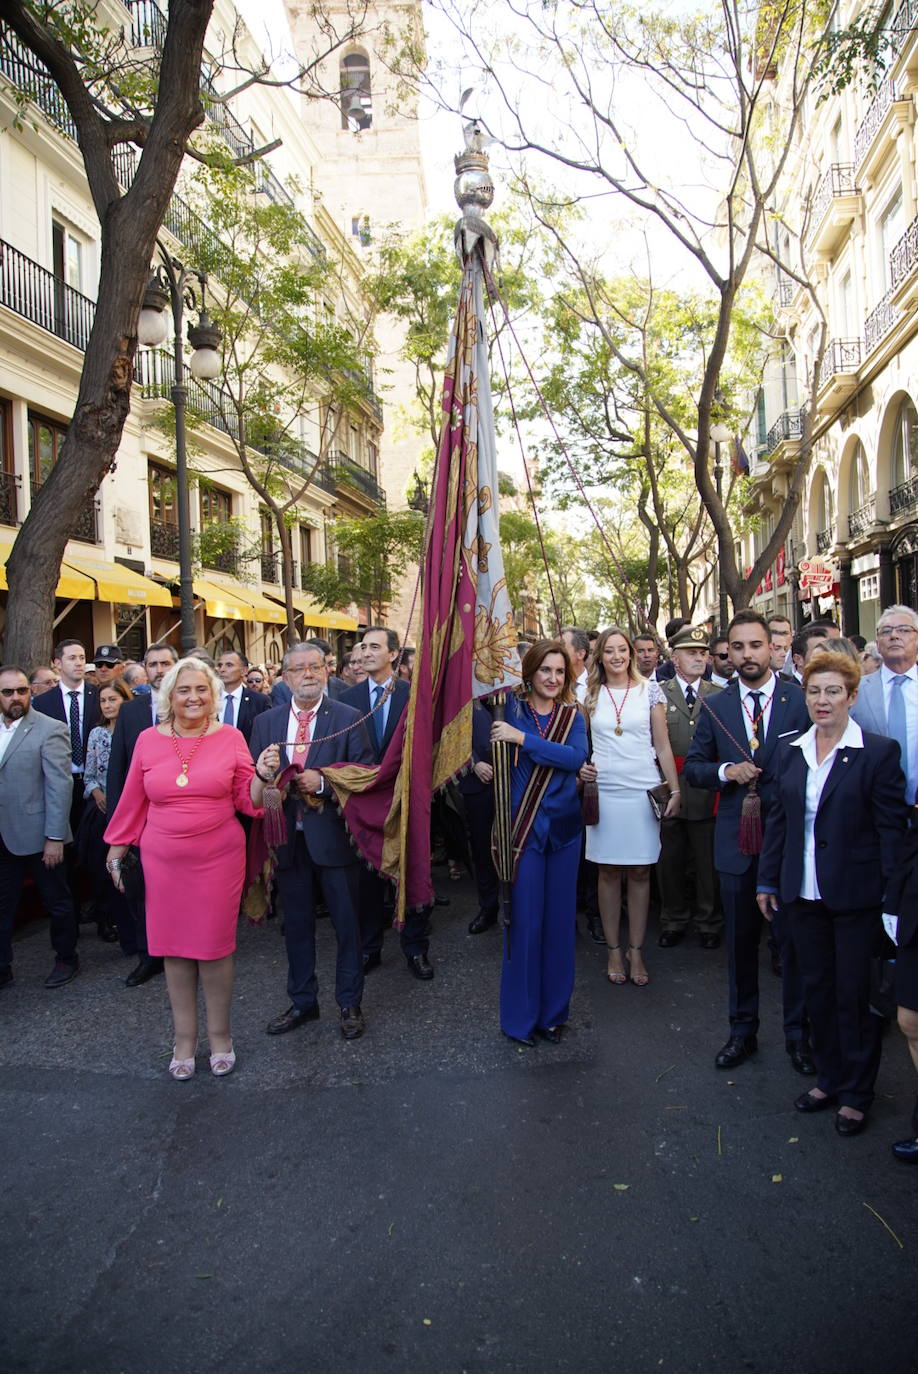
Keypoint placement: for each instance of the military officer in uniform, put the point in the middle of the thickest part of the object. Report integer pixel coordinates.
(687, 840)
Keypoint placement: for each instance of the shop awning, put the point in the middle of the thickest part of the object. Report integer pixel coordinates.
(313, 614)
(233, 601)
(114, 582)
(72, 585)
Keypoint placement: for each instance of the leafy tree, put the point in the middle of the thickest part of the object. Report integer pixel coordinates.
(372, 553)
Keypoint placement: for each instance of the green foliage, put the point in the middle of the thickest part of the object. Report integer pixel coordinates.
(861, 52)
(224, 545)
(373, 553)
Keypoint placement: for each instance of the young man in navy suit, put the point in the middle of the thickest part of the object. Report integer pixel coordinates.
(239, 705)
(317, 862)
(386, 696)
(736, 743)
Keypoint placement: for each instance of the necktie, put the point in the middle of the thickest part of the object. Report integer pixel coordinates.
(376, 717)
(898, 725)
(76, 742)
(302, 731)
(229, 712)
(756, 699)
(690, 696)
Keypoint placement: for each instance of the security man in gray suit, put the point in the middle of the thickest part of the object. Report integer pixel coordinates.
(35, 791)
(687, 841)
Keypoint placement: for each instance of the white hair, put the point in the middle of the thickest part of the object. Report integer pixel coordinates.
(170, 681)
(893, 612)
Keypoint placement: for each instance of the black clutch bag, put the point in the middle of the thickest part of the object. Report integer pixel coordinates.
(659, 798)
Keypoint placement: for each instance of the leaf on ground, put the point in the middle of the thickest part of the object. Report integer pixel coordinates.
(621, 1187)
(665, 1072)
(427, 1321)
(720, 1144)
(203, 1276)
(793, 1140)
(219, 1202)
(390, 1228)
(777, 1178)
(886, 1224)
(694, 1218)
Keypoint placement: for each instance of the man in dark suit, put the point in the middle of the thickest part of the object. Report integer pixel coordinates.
(687, 840)
(385, 696)
(76, 703)
(317, 862)
(35, 787)
(735, 744)
(477, 791)
(133, 718)
(239, 705)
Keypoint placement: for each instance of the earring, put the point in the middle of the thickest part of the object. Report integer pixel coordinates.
(528, 686)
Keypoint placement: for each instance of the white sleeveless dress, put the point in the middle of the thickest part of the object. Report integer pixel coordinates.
(628, 832)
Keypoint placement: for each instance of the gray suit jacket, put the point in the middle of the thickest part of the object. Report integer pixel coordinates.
(870, 708)
(36, 785)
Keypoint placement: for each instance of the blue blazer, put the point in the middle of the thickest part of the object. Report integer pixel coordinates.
(470, 784)
(902, 892)
(858, 827)
(251, 706)
(712, 746)
(558, 820)
(52, 704)
(323, 830)
(359, 698)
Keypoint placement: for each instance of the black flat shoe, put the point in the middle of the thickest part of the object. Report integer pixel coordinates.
(482, 922)
(801, 1056)
(522, 1040)
(291, 1018)
(352, 1024)
(552, 1034)
(806, 1102)
(850, 1125)
(670, 938)
(149, 967)
(709, 940)
(737, 1048)
(594, 926)
(107, 932)
(906, 1150)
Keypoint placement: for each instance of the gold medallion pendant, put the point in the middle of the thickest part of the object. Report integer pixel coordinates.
(300, 749)
(753, 744)
(619, 730)
(182, 780)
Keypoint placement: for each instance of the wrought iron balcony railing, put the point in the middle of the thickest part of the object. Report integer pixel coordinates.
(269, 567)
(860, 520)
(824, 540)
(351, 474)
(154, 369)
(224, 560)
(164, 539)
(148, 24)
(904, 22)
(839, 180)
(904, 497)
(32, 77)
(38, 295)
(876, 113)
(904, 257)
(878, 323)
(86, 523)
(841, 356)
(787, 426)
(9, 498)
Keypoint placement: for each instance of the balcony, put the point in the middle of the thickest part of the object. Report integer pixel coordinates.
(837, 374)
(783, 292)
(38, 295)
(154, 369)
(86, 525)
(269, 567)
(860, 521)
(164, 540)
(352, 476)
(903, 262)
(9, 500)
(148, 24)
(783, 439)
(904, 498)
(24, 71)
(836, 204)
(878, 323)
(824, 540)
(871, 142)
(900, 32)
(225, 561)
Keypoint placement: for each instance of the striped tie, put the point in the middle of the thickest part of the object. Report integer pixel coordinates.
(76, 742)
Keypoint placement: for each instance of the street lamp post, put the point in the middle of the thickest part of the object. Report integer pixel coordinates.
(172, 283)
(720, 434)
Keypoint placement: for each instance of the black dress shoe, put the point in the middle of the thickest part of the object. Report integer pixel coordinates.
(352, 1026)
(371, 961)
(64, 971)
(528, 1041)
(594, 926)
(292, 1018)
(482, 922)
(670, 938)
(806, 1102)
(850, 1125)
(421, 967)
(107, 932)
(906, 1150)
(148, 968)
(552, 1034)
(737, 1048)
(709, 939)
(801, 1056)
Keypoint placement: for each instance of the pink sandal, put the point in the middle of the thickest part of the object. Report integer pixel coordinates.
(181, 1069)
(223, 1062)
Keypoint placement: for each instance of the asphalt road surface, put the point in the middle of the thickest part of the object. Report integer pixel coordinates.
(431, 1198)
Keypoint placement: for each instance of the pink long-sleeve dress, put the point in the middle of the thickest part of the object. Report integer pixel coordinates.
(192, 845)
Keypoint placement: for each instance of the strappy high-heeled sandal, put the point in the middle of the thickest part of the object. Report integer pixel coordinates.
(616, 978)
(641, 979)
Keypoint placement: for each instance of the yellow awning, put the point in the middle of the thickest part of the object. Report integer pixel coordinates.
(232, 601)
(114, 582)
(312, 613)
(72, 585)
(336, 620)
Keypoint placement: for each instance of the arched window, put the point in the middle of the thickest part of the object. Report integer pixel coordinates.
(823, 509)
(356, 96)
(905, 444)
(859, 480)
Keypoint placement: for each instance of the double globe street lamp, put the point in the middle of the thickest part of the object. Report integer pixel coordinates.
(173, 284)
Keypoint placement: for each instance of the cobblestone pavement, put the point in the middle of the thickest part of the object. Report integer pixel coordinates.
(431, 1198)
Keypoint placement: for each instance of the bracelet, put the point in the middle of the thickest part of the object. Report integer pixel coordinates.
(262, 776)
(112, 865)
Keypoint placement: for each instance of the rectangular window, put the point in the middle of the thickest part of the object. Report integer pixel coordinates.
(891, 229)
(67, 253)
(267, 531)
(9, 506)
(353, 443)
(305, 546)
(45, 439)
(163, 509)
(869, 587)
(216, 506)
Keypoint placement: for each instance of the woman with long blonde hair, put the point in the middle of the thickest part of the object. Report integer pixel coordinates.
(629, 736)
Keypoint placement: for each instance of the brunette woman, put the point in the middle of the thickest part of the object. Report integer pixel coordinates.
(114, 918)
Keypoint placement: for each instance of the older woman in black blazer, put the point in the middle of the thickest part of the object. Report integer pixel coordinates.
(832, 836)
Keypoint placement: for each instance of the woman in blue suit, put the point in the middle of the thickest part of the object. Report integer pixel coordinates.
(537, 977)
(834, 826)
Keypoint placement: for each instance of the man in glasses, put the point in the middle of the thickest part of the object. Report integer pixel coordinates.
(887, 701)
(35, 789)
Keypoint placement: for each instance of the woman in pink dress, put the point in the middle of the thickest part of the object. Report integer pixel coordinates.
(188, 777)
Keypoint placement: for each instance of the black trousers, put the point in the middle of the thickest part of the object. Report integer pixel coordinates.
(55, 896)
(377, 910)
(834, 949)
(479, 816)
(743, 929)
(301, 885)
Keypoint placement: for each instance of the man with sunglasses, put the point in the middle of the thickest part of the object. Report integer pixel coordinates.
(721, 664)
(35, 790)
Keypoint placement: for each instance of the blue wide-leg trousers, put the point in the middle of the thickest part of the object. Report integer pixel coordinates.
(537, 980)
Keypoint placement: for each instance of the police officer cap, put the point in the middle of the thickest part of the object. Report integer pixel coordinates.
(108, 653)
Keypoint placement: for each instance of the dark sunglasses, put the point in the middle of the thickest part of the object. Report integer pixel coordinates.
(723, 656)
(14, 691)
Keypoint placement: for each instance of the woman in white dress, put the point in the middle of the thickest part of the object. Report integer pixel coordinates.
(628, 728)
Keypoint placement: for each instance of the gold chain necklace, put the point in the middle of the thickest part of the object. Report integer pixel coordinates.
(182, 779)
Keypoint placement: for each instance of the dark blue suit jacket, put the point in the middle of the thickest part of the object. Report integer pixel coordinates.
(133, 718)
(470, 784)
(323, 830)
(858, 828)
(902, 893)
(52, 704)
(558, 820)
(359, 698)
(251, 706)
(712, 746)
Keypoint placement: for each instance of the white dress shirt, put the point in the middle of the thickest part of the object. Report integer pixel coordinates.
(293, 725)
(236, 695)
(817, 774)
(81, 707)
(695, 684)
(747, 706)
(382, 715)
(580, 686)
(6, 733)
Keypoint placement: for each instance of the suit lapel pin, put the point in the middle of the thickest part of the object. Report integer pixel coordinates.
(844, 758)
(784, 698)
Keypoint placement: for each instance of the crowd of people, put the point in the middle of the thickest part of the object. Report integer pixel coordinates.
(753, 779)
